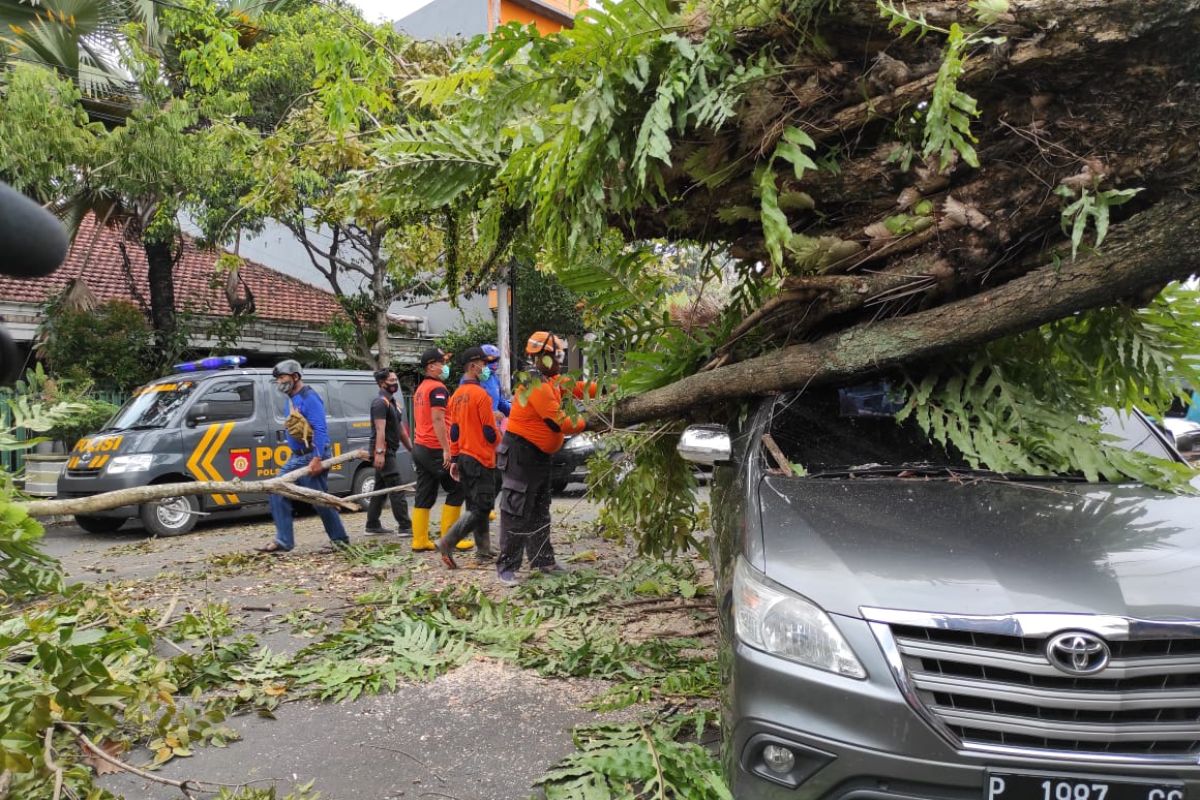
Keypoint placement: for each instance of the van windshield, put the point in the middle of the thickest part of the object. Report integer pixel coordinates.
(152, 406)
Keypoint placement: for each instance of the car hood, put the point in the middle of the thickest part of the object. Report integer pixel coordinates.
(983, 548)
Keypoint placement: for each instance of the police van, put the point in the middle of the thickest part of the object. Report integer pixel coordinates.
(214, 420)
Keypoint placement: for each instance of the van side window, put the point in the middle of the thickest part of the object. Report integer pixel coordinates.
(357, 397)
(228, 400)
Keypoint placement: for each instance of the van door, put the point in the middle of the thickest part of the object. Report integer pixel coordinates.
(339, 481)
(222, 428)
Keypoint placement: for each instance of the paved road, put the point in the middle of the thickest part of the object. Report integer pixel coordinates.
(483, 732)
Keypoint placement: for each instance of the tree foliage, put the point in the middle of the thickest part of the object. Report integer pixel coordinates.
(857, 162)
(109, 346)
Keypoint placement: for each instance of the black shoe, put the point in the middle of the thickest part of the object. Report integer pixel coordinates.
(376, 530)
(553, 570)
(485, 557)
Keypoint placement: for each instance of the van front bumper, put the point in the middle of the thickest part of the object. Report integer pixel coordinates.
(70, 487)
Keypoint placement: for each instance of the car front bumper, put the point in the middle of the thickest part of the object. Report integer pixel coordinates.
(861, 740)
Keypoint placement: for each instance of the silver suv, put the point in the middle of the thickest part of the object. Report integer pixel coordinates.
(897, 626)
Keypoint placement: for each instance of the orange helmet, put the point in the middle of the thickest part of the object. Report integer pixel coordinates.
(546, 342)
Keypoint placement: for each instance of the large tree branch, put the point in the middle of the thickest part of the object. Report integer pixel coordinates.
(1150, 249)
(282, 485)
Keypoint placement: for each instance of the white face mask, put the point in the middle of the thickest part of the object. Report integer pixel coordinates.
(445, 373)
(285, 386)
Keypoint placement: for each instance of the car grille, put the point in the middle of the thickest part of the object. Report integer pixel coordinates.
(988, 690)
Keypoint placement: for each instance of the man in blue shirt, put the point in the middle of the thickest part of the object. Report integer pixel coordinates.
(308, 438)
(492, 384)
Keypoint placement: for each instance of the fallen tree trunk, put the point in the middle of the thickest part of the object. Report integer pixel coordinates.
(1152, 248)
(282, 485)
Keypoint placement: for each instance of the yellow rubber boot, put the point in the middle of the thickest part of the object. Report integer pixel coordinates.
(450, 515)
(420, 522)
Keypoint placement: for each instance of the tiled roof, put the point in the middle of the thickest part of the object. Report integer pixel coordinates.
(95, 256)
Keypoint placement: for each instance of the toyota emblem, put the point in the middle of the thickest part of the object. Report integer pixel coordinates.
(1078, 653)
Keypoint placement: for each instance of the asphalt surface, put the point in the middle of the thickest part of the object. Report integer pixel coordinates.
(483, 732)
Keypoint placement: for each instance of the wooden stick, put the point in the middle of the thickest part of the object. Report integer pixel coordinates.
(281, 484)
(785, 466)
(407, 487)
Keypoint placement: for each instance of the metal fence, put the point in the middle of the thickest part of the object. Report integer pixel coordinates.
(13, 461)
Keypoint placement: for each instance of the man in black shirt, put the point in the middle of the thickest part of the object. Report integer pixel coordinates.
(387, 434)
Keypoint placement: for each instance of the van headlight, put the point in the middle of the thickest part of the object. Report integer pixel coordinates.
(769, 618)
(122, 464)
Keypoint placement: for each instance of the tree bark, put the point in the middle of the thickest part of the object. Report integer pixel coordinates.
(160, 274)
(1150, 249)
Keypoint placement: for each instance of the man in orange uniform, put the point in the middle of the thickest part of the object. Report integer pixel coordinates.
(536, 429)
(473, 438)
(431, 449)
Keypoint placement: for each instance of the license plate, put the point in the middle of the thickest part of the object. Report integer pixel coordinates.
(1002, 786)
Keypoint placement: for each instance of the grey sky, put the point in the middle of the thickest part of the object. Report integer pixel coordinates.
(378, 10)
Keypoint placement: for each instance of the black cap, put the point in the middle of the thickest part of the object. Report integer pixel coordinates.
(433, 354)
(473, 354)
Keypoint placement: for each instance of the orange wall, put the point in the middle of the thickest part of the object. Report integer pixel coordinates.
(511, 12)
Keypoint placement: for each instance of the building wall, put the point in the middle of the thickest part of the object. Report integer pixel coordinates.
(447, 19)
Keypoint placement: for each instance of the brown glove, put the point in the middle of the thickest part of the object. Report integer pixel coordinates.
(299, 428)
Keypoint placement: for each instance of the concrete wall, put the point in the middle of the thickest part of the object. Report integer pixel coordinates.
(446, 19)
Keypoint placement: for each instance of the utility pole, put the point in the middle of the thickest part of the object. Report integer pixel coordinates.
(502, 337)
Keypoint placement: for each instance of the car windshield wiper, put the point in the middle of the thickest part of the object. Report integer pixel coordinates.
(145, 426)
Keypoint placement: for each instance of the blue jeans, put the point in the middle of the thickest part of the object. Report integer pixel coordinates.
(281, 507)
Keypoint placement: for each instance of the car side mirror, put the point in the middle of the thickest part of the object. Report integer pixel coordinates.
(201, 412)
(705, 444)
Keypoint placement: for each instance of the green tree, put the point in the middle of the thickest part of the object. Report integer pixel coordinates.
(111, 345)
(306, 136)
(875, 193)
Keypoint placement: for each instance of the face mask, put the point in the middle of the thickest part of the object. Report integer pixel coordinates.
(285, 386)
(445, 371)
(487, 373)
(391, 388)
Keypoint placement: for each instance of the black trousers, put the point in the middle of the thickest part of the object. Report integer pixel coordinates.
(430, 475)
(386, 478)
(479, 488)
(524, 505)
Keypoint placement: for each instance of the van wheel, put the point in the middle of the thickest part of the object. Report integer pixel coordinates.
(171, 516)
(364, 481)
(99, 524)
(559, 486)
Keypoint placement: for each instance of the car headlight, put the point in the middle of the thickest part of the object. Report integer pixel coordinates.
(772, 619)
(121, 464)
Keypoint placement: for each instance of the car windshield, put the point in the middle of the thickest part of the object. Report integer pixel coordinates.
(152, 406)
(835, 431)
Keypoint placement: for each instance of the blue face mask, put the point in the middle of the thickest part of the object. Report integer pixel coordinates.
(445, 371)
(487, 373)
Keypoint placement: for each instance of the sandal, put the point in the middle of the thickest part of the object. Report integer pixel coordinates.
(273, 547)
(335, 547)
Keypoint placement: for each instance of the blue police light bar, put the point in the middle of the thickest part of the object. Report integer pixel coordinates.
(214, 362)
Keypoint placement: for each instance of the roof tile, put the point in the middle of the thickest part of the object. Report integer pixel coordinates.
(95, 256)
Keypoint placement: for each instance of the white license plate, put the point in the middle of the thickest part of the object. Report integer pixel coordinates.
(1005, 786)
